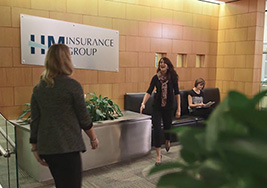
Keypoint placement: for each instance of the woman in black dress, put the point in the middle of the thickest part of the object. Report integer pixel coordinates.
(166, 83)
(196, 100)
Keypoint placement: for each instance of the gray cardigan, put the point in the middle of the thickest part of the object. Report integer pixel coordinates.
(58, 115)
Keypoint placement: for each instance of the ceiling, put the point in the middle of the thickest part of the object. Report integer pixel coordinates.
(214, 1)
(228, 1)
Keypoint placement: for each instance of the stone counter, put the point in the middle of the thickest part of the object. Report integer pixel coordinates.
(121, 139)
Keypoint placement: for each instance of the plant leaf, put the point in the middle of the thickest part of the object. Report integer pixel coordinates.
(166, 166)
(25, 111)
(179, 180)
(216, 122)
(237, 100)
(256, 99)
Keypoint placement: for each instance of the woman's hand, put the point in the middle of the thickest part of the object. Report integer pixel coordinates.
(93, 139)
(38, 158)
(177, 114)
(142, 107)
(94, 143)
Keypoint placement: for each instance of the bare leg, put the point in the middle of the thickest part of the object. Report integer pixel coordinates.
(158, 150)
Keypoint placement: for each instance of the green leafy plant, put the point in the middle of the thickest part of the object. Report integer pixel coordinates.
(99, 108)
(231, 152)
(26, 112)
(102, 108)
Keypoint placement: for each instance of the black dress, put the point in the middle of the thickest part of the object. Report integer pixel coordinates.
(203, 112)
(162, 114)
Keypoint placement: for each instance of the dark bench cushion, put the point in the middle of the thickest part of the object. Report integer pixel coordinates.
(132, 102)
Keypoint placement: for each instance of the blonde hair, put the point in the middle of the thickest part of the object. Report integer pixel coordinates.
(57, 62)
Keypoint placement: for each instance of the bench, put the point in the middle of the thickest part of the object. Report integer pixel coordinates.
(132, 102)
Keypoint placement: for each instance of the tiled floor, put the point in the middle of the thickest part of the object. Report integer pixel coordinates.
(128, 174)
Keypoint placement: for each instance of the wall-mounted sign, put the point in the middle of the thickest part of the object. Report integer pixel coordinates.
(90, 47)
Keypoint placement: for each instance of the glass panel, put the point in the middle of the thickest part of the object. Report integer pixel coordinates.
(8, 164)
(263, 102)
(264, 67)
(264, 57)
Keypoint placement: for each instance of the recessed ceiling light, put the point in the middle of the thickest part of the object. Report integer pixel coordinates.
(213, 1)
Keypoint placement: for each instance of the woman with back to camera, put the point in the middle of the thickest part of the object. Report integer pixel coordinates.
(166, 83)
(196, 100)
(58, 113)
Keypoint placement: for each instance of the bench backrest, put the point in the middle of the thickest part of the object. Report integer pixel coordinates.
(212, 94)
(132, 101)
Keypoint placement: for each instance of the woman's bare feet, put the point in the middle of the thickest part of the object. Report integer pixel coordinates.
(158, 161)
(159, 157)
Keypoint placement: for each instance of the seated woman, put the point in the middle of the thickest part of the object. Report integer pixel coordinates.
(195, 100)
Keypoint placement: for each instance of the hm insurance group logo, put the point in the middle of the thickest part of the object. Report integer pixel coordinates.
(42, 45)
(80, 46)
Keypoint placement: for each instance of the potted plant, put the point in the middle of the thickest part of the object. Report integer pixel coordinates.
(102, 108)
(231, 152)
(26, 112)
(99, 109)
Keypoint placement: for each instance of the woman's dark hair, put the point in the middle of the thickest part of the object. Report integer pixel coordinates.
(171, 73)
(200, 81)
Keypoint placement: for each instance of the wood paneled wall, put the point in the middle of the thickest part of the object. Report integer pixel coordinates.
(146, 27)
(240, 43)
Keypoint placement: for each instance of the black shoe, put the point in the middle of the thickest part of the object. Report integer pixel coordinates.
(167, 147)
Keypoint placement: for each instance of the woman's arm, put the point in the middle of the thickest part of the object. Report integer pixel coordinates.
(83, 116)
(35, 120)
(79, 105)
(178, 111)
(143, 104)
(36, 155)
(148, 93)
(178, 98)
(34, 126)
(190, 103)
(91, 134)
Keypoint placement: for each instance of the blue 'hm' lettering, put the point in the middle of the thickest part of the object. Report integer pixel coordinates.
(43, 46)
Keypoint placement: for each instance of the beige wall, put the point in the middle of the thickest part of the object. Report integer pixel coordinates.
(240, 43)
(146, 27)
